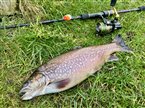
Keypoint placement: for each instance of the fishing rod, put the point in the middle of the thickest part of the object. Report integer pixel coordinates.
(107, 25)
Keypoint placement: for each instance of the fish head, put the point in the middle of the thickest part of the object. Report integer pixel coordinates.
(34, 86)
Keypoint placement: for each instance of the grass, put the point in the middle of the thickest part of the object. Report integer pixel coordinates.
(117, 84)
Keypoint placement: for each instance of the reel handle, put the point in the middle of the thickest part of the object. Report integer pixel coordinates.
(113, 2)
(142, 8)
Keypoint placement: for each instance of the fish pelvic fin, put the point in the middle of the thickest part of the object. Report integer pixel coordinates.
(112, 57)
(119, 41)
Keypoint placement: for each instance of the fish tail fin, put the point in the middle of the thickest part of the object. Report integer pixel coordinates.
(119, 41)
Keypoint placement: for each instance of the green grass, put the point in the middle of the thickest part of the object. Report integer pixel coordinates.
(117, 84)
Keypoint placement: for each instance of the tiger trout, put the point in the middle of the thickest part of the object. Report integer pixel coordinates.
(69, 69)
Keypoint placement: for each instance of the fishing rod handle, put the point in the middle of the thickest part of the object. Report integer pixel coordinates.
(88, 16)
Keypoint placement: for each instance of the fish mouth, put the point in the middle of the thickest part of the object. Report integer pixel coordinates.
(28, 94)
(25, 94)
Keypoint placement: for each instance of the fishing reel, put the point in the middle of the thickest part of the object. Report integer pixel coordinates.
(107, 26)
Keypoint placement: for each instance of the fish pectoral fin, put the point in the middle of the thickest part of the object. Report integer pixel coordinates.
(113, 57)
(62, 83)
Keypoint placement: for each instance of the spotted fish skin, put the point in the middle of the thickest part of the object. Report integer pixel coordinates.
(69, 69)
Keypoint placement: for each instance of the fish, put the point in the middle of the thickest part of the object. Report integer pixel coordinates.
(69, 69)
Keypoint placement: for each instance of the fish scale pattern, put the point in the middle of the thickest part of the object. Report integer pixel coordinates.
(67, 67)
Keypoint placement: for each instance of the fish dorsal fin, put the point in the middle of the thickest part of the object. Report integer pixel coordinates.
(113, 57)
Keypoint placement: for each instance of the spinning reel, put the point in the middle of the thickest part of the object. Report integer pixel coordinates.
(108, 26)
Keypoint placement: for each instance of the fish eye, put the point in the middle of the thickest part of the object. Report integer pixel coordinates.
(26, 84)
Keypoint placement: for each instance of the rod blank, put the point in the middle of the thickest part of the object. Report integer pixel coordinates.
(82, 17)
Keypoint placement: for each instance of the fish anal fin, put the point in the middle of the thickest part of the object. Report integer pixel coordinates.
(63, 83)
(113, 57)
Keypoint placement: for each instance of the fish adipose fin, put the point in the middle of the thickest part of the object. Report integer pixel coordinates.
(113, 57)
(119, 41)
